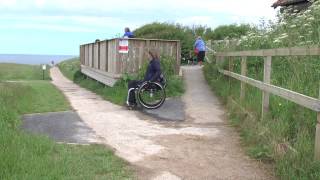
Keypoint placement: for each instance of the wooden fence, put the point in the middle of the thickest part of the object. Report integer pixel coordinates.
(266, 87)
(102, 61)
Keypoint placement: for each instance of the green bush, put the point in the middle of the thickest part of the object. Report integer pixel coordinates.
(170, 32)
(229, 31)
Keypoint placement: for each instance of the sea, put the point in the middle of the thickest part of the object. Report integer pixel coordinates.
(33, 59)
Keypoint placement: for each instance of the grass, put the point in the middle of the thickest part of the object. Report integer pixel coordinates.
(286, 136)
(26, 156)
(118, 93)
(34, 97)
(9, 71)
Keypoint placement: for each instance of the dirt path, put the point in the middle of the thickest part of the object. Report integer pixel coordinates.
(202, 147)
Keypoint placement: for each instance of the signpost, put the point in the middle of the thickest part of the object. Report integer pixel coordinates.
(44, 67)
(123, 45)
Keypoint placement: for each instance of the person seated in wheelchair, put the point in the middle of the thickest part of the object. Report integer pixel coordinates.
(153, 74)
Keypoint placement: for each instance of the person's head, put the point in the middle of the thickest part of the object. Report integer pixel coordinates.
(199, 37)
(126, 29)
(154, 54)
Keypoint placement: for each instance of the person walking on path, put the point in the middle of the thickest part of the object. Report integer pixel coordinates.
(200, 47)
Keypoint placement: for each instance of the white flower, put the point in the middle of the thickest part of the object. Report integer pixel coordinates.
(276, 41)
(283, 23)
(311, 18)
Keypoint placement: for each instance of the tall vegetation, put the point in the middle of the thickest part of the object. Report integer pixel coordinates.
(170, 32)
(229, 32)
(187, 34)
(286, 136)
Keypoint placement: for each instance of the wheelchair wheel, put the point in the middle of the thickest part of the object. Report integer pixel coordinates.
(151, 95)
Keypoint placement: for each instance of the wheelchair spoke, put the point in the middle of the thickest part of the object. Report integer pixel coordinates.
(151, 95)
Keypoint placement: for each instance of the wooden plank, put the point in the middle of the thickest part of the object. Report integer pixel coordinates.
(82, 55)
(142, 54)
(107, 56)
(131, 62)
(293, 51)
(118, 62)
(96, 55)
(116, 76)
(178, 57)
(243, 73)
(230, 59)
(266, 79)
(103, 56)
(90, 55)
(303, 100)
(101, 76)
(86, 52)
(112, 56)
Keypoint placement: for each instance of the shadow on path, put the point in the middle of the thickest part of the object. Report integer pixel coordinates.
(66, 127)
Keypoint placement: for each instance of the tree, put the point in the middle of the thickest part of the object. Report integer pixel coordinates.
(170, 32)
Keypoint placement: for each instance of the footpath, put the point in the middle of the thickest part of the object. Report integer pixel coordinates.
(203, 146)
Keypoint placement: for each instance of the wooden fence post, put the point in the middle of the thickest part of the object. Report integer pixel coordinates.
(243, 73)
(231, 70)
(231, 64)
(266, 79)
(92, 55)
(317, 139)
(98, 55)
(178, 57)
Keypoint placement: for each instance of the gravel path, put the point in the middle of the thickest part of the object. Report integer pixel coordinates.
(201, 147)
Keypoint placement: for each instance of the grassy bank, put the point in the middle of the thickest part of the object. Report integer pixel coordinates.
(9, 71)
(26, 156)
(286, 136)
(118, 93)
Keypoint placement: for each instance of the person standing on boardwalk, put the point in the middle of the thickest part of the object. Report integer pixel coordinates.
(128, 33)
(200, 47)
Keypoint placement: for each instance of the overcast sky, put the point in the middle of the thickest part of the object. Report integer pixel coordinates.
(60, 26)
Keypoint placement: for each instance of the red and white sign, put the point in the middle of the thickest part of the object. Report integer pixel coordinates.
(123, 45)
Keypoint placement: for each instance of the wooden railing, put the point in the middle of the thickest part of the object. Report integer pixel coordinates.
(266, 87)
(102, 60)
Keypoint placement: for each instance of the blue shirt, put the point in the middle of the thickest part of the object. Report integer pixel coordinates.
(200, 45)
(153, 71)
(128, 34)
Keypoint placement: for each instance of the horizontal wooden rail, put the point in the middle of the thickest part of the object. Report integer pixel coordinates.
(294, 51)
(265, 86)
(303, 100)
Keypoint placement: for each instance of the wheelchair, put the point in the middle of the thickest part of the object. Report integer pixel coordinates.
(150, 95)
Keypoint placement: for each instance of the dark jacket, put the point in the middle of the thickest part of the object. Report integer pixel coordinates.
(153, 72)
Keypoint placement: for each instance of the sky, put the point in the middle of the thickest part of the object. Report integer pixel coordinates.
(58, 27)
